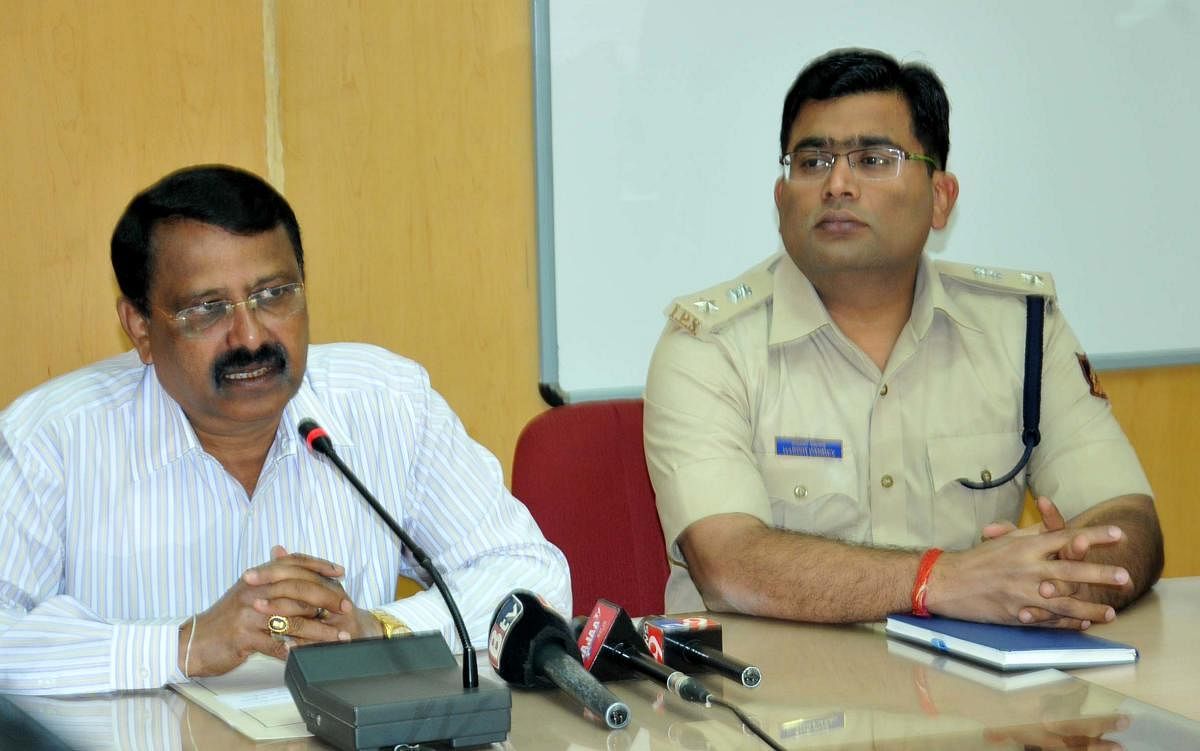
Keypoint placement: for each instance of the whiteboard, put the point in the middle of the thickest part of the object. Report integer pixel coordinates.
(1075, 135)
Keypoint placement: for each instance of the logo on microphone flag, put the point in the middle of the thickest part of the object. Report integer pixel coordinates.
(513, 610)
(599, 623)
(653, 636)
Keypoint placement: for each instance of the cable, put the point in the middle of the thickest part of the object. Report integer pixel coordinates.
(754, 728)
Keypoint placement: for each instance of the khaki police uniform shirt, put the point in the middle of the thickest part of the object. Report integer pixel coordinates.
(757, 403)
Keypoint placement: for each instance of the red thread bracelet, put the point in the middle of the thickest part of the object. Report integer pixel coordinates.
(921, 584)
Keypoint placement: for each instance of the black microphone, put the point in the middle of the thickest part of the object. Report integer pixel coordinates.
(368, 693)
(530, 646)
(318, 440)
(694, 644)
(612, 650)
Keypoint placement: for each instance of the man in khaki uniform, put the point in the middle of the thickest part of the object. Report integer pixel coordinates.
(807, 423)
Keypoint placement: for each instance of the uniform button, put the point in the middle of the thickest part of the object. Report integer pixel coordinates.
(883, 390)
(799, 491)
(985, 476)
(887, 481)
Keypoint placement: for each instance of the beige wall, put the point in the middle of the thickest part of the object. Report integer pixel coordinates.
(401, 130)
(100, 99)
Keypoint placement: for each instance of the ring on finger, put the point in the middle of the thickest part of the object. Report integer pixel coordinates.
(321, 613)
(278, 624)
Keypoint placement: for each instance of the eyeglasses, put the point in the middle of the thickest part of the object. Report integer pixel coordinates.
(871, 163)
(275, 303)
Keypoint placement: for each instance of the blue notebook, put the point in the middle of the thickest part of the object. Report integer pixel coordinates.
(1010, 647)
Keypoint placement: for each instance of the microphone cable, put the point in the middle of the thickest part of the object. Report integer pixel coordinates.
(746, 721)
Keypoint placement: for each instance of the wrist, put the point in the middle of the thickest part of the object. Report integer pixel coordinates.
(390, 627)
(920, 588)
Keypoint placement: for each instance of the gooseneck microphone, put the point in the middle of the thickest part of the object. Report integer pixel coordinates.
(612, 650)
(318, 440)
(694, 644)
(531, 646)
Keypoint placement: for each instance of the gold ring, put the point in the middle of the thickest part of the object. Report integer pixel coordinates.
(321, 613)
(278, 624)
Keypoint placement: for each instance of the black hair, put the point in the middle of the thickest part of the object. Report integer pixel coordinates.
(859, 71)
(227, 197)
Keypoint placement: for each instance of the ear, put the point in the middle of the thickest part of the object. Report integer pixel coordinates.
(137, 328)
(778, 191)
(945, 193)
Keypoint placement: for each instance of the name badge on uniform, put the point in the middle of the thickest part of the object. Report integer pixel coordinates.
(822, 448)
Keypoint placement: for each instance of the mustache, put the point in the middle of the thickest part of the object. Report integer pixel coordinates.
(271, 355)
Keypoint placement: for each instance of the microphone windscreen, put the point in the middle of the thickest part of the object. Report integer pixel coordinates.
(522, 624)
(306, 426)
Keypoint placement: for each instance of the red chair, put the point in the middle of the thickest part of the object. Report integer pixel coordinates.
(581, 471)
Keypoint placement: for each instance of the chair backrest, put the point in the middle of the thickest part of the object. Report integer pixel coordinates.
(581, 471)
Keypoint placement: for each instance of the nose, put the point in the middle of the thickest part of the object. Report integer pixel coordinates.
(841, 182)
(245, 330)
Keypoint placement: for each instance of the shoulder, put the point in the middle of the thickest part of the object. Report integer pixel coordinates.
(102, 387)
(711, 310)
(356, 366)
(966, 279)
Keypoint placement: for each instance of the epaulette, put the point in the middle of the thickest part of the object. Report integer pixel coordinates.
(708, 310)
(999, 280)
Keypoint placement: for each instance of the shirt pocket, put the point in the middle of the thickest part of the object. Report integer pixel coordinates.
(959, 513)
(815, 496)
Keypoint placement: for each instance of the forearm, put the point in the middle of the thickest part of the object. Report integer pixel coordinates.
(61, 648)
(479, 586)
(751, 568)
(1140, 550)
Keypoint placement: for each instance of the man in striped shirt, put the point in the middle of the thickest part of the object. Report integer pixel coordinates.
(160, 518)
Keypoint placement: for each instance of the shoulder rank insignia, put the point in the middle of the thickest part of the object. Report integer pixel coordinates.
(999, 280)
(710, 309)
(1090, 376)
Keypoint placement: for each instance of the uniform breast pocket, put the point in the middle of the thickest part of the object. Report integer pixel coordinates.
(815, 495)
(959, 513)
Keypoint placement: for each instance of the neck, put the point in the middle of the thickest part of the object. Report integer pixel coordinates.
(870, 307)
(241, 453)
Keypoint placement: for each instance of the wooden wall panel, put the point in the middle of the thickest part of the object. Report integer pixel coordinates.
(408, 153)
(1160, 412)
(101, 99)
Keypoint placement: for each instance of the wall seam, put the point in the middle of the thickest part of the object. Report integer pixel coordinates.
(273, 123)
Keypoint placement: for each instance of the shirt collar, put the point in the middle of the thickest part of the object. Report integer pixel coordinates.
(306, 403)
(165, 435)
(162, 431)
(797, 310)
(931, 295)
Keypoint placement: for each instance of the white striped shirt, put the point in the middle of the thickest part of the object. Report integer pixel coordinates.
(116, 526)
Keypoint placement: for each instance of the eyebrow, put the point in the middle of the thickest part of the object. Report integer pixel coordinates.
(270, 280)
(861, 141)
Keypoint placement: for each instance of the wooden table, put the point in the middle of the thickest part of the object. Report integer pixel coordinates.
(844, 687)
(1165, 627)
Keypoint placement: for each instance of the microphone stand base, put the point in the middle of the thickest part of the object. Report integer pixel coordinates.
(370, 693)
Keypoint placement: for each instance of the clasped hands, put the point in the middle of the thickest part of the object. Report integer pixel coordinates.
(291, 600)
(1035, 575)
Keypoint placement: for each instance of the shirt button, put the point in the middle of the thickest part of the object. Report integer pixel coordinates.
(883, 390)
(887, 481)
(985, 476)
(799, 491)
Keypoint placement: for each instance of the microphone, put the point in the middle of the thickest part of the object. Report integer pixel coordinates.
(530, 646)
(368, 693)
(612, 650)
(318, 440)
(694, 644)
